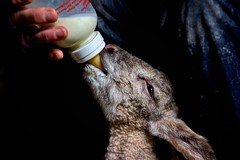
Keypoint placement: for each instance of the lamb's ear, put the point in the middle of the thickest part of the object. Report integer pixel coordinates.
(190, 144)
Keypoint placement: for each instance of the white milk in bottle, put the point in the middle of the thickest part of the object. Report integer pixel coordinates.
(80, 19)
(79, 28)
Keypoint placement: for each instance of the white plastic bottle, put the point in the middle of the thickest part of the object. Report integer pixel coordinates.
(80, 19)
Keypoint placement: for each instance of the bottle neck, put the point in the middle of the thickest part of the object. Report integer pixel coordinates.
(88, 49)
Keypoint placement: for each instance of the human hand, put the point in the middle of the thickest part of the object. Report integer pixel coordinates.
(27, 21)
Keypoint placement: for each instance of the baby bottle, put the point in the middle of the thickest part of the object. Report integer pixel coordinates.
(80, 19)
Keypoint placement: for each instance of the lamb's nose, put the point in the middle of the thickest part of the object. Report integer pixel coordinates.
(110, 48)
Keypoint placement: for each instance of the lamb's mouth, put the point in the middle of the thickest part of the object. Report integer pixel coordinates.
(95, 70)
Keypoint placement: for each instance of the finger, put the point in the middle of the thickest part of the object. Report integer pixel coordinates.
(56, 54)
(50, 34)
(18, 3)
(34, 15)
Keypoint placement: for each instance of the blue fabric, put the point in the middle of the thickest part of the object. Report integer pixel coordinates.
(212, 30)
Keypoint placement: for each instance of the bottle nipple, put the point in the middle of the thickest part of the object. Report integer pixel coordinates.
(96, 61)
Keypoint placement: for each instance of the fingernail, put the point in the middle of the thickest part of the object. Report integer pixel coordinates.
(49, 16)
(56, 55)
(60, 33)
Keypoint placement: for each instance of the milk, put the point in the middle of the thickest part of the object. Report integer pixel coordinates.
(80, 19)
(80, 27)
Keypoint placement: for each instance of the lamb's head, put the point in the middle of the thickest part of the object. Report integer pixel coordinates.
(130, 89)
(134, 94)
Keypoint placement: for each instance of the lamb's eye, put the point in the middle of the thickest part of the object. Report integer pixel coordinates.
(147, 86)
(150, 90)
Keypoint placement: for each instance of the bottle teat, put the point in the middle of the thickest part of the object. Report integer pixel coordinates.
(96, 61)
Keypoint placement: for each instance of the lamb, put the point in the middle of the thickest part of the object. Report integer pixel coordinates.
(138, 101)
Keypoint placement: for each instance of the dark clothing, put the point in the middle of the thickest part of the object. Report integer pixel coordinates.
(50, 113)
